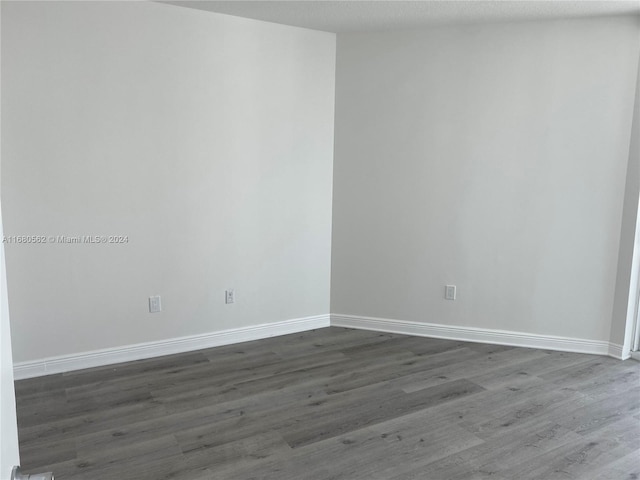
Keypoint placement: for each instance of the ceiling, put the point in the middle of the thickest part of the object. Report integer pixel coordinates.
(364, 15)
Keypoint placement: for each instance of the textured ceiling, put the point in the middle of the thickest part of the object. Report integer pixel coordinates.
(364, 15)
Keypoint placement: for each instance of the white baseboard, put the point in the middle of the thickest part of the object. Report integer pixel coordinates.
(618, 351)
(482, 335)
(108, 356)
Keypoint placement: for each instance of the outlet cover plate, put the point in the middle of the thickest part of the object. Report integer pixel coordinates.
(155, 304)
(230, 296)
(450, 292)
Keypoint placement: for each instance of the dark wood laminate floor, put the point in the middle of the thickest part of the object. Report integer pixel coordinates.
(338, 404)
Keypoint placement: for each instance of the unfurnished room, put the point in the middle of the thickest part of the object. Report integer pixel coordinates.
(320, 240)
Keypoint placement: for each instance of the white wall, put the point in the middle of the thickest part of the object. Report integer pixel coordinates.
(491, 157)
(206, 139)
(464, 155)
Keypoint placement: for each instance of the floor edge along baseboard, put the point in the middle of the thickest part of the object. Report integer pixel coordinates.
(481, 335)
(109, 356)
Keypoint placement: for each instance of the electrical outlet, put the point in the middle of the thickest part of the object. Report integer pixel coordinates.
(230, 296)
(450, 292)
(155, 305)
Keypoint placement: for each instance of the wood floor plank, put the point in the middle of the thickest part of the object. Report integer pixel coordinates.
(338, 404)
(573, 460)
(311, 379)
(522, 413)
(234, 376)
(489, 459)
(480, 365)
(260, 446)
(47, 453)
(394, 366)
(623, 468)
(160, 458)
(357, 455)
(77, 425)
(224, 422)
(601, 413)
(358, 413)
